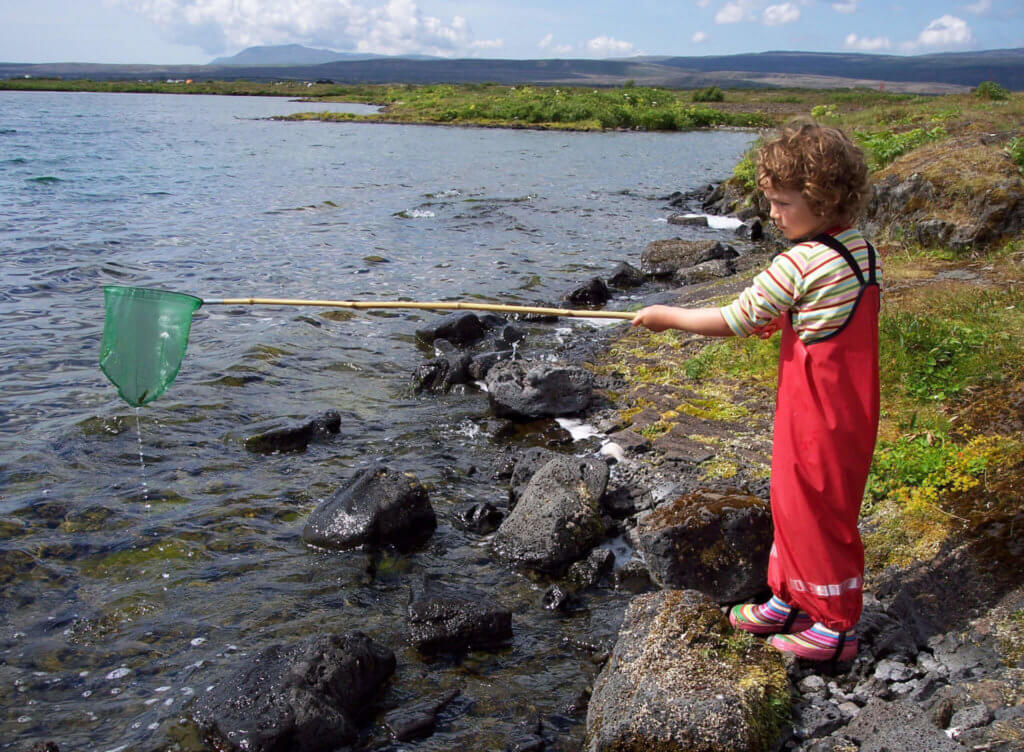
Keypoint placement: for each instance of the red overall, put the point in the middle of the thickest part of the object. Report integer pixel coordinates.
(826, 420)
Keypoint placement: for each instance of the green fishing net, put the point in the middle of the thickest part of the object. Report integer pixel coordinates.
(144, 339)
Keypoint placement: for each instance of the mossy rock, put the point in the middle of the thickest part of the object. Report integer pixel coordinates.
(680, 680)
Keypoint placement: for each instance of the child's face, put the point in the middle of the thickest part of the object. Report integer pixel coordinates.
(792, 215)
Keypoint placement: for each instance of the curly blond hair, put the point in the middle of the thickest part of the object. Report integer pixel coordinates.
(822, 163)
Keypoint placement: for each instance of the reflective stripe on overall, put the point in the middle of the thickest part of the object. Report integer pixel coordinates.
(826, 421)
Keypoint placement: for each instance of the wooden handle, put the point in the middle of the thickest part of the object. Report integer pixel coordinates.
(427, 305)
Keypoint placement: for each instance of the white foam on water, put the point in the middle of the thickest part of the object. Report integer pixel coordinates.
(420, 214)
(577, 428)
(611, 449)
(118, 673)
(621, 550)
(723, 223)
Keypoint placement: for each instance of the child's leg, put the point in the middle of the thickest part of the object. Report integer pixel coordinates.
(774, 617)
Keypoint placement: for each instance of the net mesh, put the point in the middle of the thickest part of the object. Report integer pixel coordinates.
(144, 339)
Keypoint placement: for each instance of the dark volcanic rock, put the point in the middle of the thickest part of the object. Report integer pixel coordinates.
(377, 506)
(712, 542)
(462, 329)
(482, 364)
(537, 390)
(897, 727)
(453, 625)
(449, 368)
(752, 229)
(664, 257)
(670, 685)
(692, 220)
(308, 697)
(626, 275)
(294, 436)
(592, 292)
(417, 721)
(704, 271)
(481, 518)
(558, 517)
(526, 466)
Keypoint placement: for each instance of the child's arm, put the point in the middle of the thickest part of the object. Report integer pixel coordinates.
(707, 321)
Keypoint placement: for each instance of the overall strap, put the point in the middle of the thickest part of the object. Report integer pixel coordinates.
(842, 250)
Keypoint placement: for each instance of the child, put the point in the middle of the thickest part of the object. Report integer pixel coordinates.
(823, 294)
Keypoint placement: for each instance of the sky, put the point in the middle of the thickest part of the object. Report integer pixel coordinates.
(168, 32)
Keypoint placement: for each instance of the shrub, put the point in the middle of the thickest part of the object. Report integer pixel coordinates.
(710, 94)
(885, 146)
(991, 90)
(1015, 150)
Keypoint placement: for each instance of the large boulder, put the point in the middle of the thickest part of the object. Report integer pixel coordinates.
(378, 507)
(522, 390)
(461, 329)
(558, 517)
(679, 679)
(664, 257)
(897, 727)
(308, 697)
(455, 625)
(717, 543)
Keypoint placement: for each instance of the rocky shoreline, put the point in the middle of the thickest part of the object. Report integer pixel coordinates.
(929, 675)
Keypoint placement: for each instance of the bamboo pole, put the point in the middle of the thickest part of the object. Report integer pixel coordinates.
(427, 305)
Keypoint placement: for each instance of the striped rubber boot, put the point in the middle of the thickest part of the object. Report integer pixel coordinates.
(819, 643)
(774, 617)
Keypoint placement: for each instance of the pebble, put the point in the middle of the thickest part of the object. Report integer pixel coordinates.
(893, 671)
(970, 717)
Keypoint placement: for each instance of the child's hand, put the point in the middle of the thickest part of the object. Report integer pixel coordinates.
(657, 318)
(766, 331)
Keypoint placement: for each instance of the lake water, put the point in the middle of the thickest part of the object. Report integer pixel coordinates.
(119, 603)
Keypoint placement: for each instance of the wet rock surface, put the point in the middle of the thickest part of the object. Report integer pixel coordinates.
(455, 625)
(377, 506)
(535, 390)
(294, 436)
(308, 697)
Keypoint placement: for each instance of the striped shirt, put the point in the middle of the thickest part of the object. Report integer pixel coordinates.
(811, 280)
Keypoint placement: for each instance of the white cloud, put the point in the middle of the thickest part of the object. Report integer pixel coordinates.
(848, 6)
(547, 44)
(980, 8)
(703, 3)
(396, 27)
(777, 15)
(699, 37)
(854, 42)
(608, 46)
(946, 31)
(487, 44)
(731, 13)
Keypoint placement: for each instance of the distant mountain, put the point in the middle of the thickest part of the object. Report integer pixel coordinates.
(296, 54)
(918, 73)
(287, 54)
